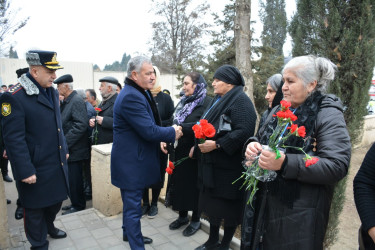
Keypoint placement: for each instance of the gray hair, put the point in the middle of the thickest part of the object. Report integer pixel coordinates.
(69, 84)
(311, 68)
(136, 63)
(114, 86)
(81, 93)
(275, 81)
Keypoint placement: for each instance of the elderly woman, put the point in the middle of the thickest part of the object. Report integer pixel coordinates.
(182, 187)
(274, 95)
(219, 158)
(292, 211)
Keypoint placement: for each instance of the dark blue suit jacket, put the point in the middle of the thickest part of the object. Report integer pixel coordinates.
(35, 143)
(135, 160)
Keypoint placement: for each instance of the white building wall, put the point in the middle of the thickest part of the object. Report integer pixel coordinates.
(82, 72)
(83, 75)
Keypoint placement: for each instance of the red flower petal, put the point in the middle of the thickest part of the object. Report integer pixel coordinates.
(169, 171)
(311, 161)
(302, 131)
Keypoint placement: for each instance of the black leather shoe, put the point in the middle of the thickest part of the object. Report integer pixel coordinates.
(146, 240)
(19, 213)
(66, 207)
(209, 247)
(178, 223)
(58, 234)
(7, 178)
(191, 229)
(70, 211)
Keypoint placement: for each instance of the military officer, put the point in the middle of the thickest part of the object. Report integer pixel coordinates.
(36, 146)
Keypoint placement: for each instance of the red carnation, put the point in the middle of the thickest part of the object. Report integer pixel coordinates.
(311, 161)
(285, 104)
(209, 130)
(289, 114)
(198, 132)
(203, 122)
(170, 165)
(302, 131)
(98, 109)
(293, 128)
(169, 170)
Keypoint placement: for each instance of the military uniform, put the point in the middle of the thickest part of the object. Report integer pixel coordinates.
(35, 144)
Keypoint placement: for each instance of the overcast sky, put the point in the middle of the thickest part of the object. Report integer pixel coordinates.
(95, 31)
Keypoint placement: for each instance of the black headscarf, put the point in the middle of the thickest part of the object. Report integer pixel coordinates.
(229, 74)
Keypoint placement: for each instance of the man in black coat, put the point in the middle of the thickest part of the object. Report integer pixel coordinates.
(36, 146)
(103, 133)
(75, 123)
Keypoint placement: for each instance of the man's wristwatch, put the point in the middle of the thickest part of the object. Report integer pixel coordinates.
(218, 145)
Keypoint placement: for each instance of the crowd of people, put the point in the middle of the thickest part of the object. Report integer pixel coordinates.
(47, 136)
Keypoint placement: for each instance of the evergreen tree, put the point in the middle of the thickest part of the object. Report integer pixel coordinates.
(344, 32)
(118, 66)
(12, 53)
(273, 16)
(96, 68)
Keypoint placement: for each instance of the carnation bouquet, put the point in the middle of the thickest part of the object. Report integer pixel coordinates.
(284, 129)
(202, 130)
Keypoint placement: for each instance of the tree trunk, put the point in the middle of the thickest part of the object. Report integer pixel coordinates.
(242, 36)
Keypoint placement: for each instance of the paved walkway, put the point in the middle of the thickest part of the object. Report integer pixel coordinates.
(90, 229)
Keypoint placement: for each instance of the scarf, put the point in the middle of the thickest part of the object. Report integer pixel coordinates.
(288, 190)
(189, 103)
(107, 97)
(148, 96)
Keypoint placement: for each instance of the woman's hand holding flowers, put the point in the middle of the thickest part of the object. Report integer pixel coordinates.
(253, 149)
(267, 160)
(207, 146)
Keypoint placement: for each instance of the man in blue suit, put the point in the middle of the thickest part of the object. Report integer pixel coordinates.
(36, 146)
(137, 134)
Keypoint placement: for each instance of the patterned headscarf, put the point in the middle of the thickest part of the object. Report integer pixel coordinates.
(188, 103)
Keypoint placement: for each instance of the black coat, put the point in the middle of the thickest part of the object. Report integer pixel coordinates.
(105, 130)
(183, 187)
(302, 224)
(35, 142)
(75, 123)
(165, 107)
(364, 194)
(220, 167)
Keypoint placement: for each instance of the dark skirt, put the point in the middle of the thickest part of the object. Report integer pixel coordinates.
(183, 190)
(218, 209)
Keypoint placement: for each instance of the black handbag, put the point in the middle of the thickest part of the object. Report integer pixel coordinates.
(225, 124)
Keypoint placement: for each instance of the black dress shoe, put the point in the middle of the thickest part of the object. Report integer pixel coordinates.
(70, 211)
(178, 223)
(19, 213)
(66, 207)
(193, 227)
(206, 246)
(58, 234)
(7, 178)
(146, 240)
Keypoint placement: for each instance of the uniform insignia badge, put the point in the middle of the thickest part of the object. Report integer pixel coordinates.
(5, 109)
